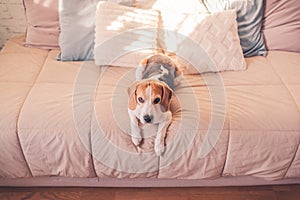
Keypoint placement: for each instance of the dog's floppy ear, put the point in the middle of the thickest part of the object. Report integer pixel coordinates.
(131, 90)
(166, 97)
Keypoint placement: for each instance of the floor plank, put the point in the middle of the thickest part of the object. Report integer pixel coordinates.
(281, 192)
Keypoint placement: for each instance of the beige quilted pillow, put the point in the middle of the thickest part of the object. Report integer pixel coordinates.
(209, 42)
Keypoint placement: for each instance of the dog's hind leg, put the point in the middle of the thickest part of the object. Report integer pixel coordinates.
(139, 73)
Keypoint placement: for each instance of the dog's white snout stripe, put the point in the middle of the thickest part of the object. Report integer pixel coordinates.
(147, 109)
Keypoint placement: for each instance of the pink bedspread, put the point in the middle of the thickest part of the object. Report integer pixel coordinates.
(70, 119)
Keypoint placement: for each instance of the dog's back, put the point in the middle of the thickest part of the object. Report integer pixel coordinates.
(161, 68)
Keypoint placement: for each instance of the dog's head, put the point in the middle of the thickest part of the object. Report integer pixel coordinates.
(149, 99)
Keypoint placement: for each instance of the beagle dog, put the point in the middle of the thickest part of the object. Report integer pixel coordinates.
(150, 97)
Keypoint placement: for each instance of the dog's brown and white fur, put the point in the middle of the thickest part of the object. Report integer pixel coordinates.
(150, 97)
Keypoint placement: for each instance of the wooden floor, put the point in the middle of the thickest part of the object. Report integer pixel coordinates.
(288, 192)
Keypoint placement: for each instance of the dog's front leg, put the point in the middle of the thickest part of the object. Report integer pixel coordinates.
(135, 129)
(159, 145)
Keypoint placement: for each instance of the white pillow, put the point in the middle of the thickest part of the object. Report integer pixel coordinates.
(124, 35)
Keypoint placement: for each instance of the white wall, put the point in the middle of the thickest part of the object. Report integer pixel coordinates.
(12, 19)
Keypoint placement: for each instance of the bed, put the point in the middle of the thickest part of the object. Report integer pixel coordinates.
(65, 123)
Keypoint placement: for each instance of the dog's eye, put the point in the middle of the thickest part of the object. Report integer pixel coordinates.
(141, 100)
(156, 100)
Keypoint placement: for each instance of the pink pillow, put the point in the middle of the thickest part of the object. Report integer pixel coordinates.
(281, 26)
(42, 24)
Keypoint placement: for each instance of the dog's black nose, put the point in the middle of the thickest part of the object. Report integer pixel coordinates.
(147, 118)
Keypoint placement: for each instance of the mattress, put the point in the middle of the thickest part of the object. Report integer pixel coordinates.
(69, 119)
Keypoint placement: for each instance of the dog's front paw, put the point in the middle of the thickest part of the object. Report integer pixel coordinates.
(159, 148)
(136, 140)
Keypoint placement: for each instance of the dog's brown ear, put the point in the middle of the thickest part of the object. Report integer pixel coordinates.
(166, 97)
(131, 90)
